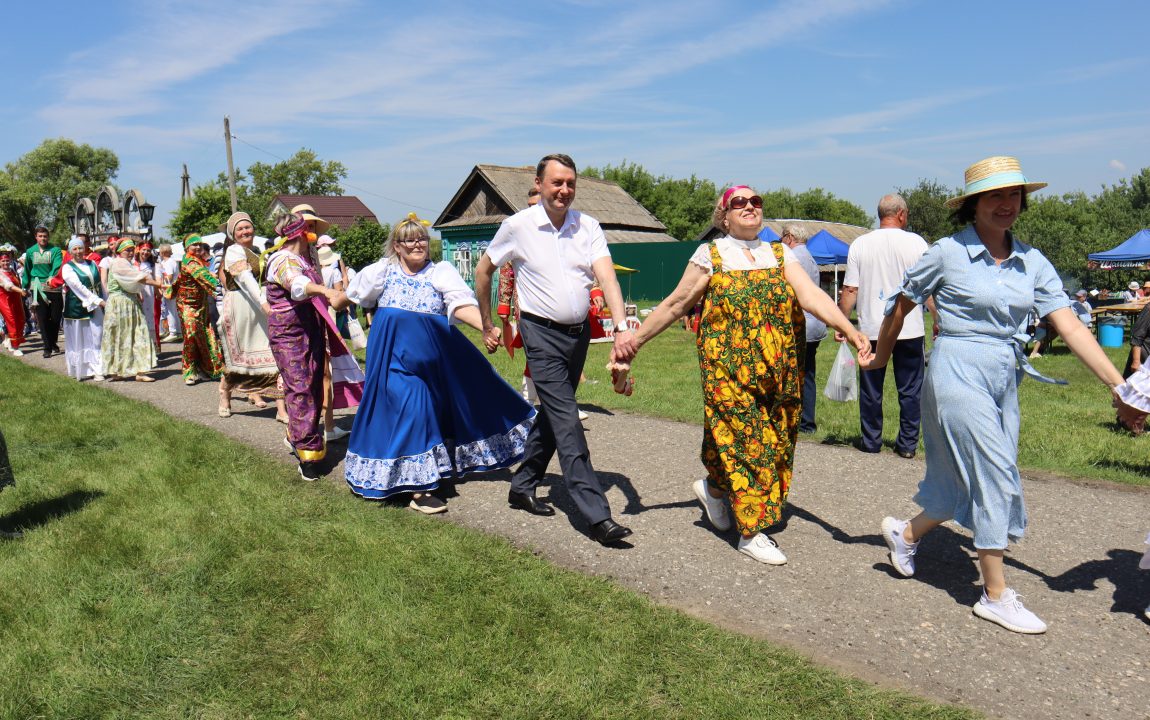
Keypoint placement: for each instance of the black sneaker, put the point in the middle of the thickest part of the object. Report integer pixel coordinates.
(310, 471)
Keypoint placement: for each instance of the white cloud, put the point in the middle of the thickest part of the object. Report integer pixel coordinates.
(1118, 165)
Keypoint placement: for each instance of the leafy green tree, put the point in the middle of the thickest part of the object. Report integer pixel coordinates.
(301, 174)
(813, 204)
(927, 213)
(210, 204)
(362, 243)
(202, 213)
(43, 186)
(683, 205)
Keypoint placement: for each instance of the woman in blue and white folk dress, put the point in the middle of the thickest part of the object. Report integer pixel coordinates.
(984, 281)
(433, 406)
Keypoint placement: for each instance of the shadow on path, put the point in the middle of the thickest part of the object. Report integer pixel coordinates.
(1120, 569)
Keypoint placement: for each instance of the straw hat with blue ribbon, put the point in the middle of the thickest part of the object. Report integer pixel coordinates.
(993, 173)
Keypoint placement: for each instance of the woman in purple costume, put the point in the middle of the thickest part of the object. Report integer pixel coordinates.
(297, 331)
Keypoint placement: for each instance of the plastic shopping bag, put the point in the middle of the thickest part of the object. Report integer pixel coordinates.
(358, 339)
(843, 383)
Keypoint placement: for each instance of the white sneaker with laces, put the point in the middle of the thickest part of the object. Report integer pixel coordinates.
(901, 552)
(715, 508)
(1009, 612)
(763, 549)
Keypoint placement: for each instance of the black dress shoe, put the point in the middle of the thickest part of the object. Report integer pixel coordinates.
(608, 532)
(908, 454)
(523, 501)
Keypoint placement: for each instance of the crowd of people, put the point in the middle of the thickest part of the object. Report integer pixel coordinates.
(431, 407)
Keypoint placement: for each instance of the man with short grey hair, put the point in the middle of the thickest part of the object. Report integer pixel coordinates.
(876, 264)
(795, 237)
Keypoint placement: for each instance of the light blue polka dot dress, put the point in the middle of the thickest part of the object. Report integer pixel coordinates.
(970, 413)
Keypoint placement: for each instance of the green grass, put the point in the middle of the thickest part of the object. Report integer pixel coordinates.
(169, 572)
(1066, 430)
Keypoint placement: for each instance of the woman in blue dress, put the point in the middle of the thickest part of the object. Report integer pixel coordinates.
(432, 406)
(984, 282)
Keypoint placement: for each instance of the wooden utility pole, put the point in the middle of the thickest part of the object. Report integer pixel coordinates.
(231, 168)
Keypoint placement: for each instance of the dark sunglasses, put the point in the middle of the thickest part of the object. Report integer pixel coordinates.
(739, 202)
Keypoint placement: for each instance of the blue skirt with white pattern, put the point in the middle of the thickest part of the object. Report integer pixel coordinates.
(433, 407)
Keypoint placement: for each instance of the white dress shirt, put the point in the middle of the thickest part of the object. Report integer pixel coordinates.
(553, 274)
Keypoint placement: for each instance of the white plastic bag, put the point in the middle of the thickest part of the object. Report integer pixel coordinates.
(843, 383)
(358, 339)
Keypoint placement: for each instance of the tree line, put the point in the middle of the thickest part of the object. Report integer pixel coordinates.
(42, 187)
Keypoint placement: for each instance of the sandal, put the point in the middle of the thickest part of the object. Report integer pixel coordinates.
(257, 400)
(225, 410)
(145, 378)
(427, 504)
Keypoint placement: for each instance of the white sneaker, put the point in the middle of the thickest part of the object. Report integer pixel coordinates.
(17, 353)
(715, 508)
(763, 549)
(1008, 612)
(336, 434)
(901, 552)
(583, 416)
(97, 378)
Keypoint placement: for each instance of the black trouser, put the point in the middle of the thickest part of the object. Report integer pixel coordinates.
(556, 362)
(810, 390)
(48, 313)
(909, 364)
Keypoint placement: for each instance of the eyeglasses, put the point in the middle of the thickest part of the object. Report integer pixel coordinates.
(412, 242)
(739, 202)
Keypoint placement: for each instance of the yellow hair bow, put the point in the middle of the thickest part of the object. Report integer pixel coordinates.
(413, 218)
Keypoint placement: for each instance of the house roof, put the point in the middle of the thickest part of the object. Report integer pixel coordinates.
(491, 193)
(843, 231)
(339, 210)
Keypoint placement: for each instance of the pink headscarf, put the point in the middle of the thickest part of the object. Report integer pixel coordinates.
(731, 191)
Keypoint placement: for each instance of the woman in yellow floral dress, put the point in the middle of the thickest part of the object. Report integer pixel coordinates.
(751, 346)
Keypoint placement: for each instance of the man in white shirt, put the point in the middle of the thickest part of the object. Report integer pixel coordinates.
(876, 265)
(557, 254)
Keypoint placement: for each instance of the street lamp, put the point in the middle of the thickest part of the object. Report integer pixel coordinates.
(147, 210)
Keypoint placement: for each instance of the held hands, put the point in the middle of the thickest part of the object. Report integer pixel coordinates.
(1130, 418)
(625, 346)
(491, 339)
(866, 356)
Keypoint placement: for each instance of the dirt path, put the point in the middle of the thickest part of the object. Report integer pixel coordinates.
(837, 600)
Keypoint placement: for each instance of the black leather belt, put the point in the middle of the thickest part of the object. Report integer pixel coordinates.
(572, 330)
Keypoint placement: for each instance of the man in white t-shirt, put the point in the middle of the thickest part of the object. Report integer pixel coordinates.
(876, 265)
(557, 254)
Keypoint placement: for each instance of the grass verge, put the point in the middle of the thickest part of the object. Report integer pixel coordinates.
(167, 571)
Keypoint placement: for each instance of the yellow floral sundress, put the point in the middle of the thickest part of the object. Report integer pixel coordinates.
(751, 344)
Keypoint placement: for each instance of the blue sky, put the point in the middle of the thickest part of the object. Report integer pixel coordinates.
(854, 97)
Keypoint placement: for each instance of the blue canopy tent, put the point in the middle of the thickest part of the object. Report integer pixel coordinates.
(827, 249)
(768, 235)
(1134, 253)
